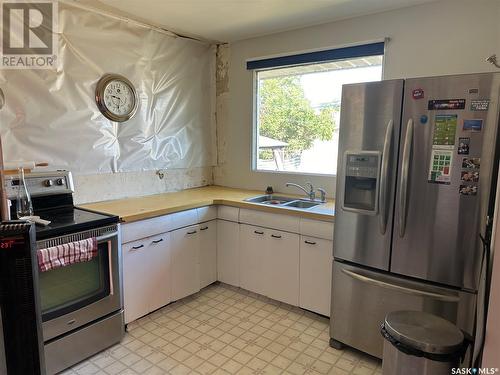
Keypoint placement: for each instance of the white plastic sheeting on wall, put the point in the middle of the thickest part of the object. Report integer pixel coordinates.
(52, 116)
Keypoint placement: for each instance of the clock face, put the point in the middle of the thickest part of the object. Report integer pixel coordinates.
(116, 97)
(119, 98)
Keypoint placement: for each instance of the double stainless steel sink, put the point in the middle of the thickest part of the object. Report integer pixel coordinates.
(285, 202)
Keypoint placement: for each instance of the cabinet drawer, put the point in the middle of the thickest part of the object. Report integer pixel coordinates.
(275, 221)
(183, 219)
(145, 228)
(228, 213)
(206, 213)
(316, 228)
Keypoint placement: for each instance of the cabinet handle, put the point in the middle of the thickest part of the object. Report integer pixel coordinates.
(158, 241)
(204, 228)
(275, 236)
(310, 242)
(137, 247)
(257, 232)
(193, 232)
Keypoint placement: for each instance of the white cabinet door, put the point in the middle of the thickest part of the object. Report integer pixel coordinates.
(185, 262)
(158, 273)
(135, 282)
(283, 266)
(228, 252)
(316, 256)
(253, 242)
(208, 253)
(146, 275)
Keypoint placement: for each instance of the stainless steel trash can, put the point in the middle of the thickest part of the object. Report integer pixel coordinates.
(418, 343)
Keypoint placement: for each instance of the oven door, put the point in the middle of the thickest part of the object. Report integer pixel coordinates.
(80, 293)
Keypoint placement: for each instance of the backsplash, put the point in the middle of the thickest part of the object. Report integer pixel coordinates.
(101, 187)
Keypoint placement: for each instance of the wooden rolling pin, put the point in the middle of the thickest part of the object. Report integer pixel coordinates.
(12, 167)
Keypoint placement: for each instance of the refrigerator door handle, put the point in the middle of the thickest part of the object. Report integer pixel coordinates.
(403, 186)
(399, 288)
(386, 154)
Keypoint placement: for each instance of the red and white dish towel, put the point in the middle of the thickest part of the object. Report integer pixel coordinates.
(66, 254)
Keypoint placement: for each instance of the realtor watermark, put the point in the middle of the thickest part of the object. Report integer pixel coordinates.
(29, 34)
(475, 371)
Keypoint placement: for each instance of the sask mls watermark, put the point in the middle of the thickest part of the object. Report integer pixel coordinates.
(474, 371)
(29, 34)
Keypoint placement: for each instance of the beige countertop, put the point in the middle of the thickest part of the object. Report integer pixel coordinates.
(139, 208)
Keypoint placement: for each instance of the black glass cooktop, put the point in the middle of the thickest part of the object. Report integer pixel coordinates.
(70, 220)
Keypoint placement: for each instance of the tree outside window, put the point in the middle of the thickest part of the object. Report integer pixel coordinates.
(299, 112)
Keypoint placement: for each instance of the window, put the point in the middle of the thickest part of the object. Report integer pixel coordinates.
(298, 110)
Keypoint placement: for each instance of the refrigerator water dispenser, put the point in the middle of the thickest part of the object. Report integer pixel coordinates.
(362, 171)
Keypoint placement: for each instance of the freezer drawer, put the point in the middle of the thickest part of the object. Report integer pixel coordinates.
(361, 298)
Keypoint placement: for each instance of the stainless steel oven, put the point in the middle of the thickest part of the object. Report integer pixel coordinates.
(81, 302)
(80, 293)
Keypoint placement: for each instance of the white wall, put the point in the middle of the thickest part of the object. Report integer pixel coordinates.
(51, 115)
(446, 37)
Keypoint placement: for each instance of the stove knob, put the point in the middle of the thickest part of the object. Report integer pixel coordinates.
(48, 183)
(60, 181)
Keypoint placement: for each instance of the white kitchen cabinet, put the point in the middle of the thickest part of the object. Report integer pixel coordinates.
(135, 266)
(282, 262)
(160, 287)
(253, 263)
(316, 228)
(228, 213)
(146, 228)
(208, 253)
(286, 258)
(283, 221)
(228, 252)
(316, 256)
(146, 275)
(206, 213)
(185, 275)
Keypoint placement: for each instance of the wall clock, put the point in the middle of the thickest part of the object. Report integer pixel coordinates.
(116, 97)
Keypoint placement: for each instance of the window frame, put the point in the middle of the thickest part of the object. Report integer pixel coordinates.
(255, 116)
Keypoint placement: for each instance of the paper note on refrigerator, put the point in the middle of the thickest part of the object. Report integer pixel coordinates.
(445, 128)
(443, 145)
(440, 167)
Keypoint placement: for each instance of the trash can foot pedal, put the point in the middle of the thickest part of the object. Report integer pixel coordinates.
(336, 344)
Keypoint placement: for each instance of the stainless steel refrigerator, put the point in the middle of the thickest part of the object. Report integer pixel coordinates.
(416, 161)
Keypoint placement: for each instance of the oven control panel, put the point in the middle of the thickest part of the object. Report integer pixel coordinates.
(40, 183)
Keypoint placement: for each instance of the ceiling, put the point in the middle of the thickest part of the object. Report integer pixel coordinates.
(232, 20)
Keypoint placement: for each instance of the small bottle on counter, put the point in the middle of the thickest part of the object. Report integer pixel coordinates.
(24, 206)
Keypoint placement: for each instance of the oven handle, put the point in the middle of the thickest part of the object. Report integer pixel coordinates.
(106, 237)
(111, 284)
